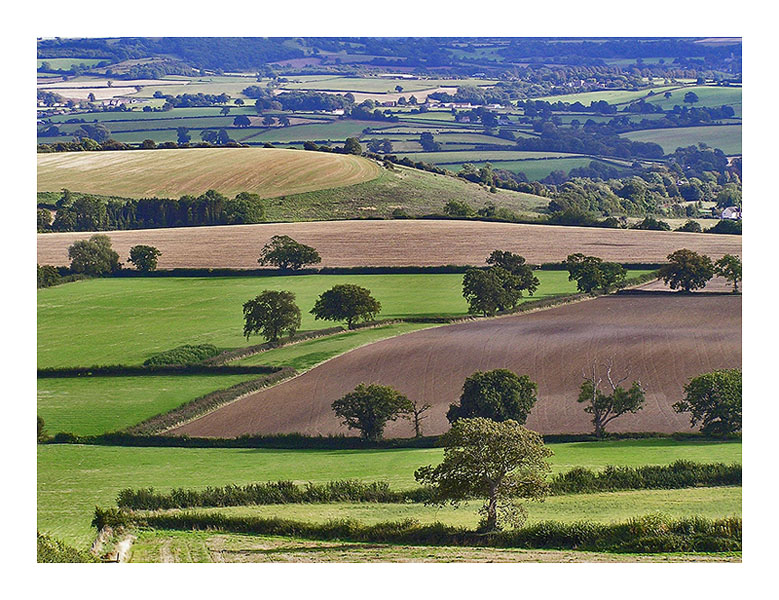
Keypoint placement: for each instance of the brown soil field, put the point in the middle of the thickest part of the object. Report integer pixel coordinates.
(663, 339)
(395, 243)
(269, 172)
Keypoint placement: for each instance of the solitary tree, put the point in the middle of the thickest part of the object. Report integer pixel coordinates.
(687, 270)
(591, 273)
(499, 395)
(182, 135)
(714, 400)
(287, 254)
(93, 256)
(346, 302)
(369, 407)
(691, 98)
(42, 435)
(416, 415)
(500, 462)
(517, 266)
(605, 406)
(241, 121)
(144, 257)
(245, 208)
(271, 314)
(729, 267)
(352, 146)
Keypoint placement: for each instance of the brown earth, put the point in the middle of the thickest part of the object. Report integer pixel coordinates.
(385, 243)
(664, 339)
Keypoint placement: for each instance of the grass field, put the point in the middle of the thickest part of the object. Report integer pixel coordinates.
(173, 173)
(109, 321)
(610, 96)
(379, 84)
(607, 507)
(458, 158)
(725, 137)
(707, 96)
(64, 64)
(95, 405)
(73, 479)
(154, 546)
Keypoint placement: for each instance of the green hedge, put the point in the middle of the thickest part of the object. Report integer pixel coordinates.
(649, 534)
(51, 550)
(150, 370)
(187, 354)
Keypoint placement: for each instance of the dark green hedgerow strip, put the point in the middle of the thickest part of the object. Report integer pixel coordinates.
(51, 550)
(141, 370)
(208, 402)
(645, 534)
(680, 474)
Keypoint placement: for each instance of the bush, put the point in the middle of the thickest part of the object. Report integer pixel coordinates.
(48, 276)
(183, 355)
(726, 226)
(51, 550)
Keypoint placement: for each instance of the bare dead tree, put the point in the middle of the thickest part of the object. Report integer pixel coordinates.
(607, 406)
(416, 416)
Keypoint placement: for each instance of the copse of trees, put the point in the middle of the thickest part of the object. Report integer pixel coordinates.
(272, 313)
(687, 270)
(369, 407)
(615, 401)
(592, 274)
(346, 302)
(144, 257)
(499, 462)
(713, 401)
(287, 254)
(94, 256)
(498, 395)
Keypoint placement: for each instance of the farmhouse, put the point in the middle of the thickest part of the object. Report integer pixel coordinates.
(731, 212)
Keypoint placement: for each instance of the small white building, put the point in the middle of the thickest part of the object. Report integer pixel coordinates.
(731, 212)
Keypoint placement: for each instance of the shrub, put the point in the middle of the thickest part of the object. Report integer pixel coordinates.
(51, 550)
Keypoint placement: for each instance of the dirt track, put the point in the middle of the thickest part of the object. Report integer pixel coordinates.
(665, 338)
(386, 243)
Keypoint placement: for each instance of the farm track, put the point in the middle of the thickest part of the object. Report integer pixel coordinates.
(664, 339)
(395, 243)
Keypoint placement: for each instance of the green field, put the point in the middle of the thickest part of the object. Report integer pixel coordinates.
(73, 479)
(95, 405)
(378, 85)
(607, 507)
(725, 137)
(707, 96)
(65, 64)
(110, 321)
(460, 157)
(610, 96)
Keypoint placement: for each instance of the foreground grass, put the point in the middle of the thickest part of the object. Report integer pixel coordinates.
(201, 546)
(605, 507)
(94, 405)
(109, 321)
(73, 479)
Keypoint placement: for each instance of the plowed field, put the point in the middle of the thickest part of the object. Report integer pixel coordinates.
(664, 339)
(385, 243)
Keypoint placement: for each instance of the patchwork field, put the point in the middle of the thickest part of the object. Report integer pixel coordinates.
(173, 173)
(111, 321)
(725, 137)
(399, 242)
(73, 479)
(662, 340)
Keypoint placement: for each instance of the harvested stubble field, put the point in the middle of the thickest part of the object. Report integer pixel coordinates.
(396, 243)
(663, 339)
(173, 173)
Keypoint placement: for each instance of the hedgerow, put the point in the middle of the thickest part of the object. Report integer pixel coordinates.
(648, 534)
(141, 370)
(51, 550)
(187, 354)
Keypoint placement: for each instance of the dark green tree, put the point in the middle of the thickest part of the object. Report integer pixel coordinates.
(691, 98)
(245, 208)
(517, 266)
(48, 276)
(714, 400)
(287, 254)
(272, 314)
(352, 146)
(591, 273)
(500, 462)
(182, 135)
(42, 435)
(241, 121)
(687, 270)
(93, 256)
(488, 291)
(614, 402)
(456, 208)
(346, 302)
(729, 267)
(44, 219)
(144, 257)
(498, 395)
(369, 407)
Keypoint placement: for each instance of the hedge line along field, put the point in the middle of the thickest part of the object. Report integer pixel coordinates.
(73, 479)
(124, 321)
(662, 340)
(725, 137)
(376, 243)
(173, 173)
(95, 405)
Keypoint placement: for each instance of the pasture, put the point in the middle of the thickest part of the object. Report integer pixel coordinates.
(112, 321)
(95, 405)
(725, 137)
(173, 173)
(73, 479)
(375, 243)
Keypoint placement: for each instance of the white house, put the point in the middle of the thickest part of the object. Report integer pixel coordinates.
(731, 212)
